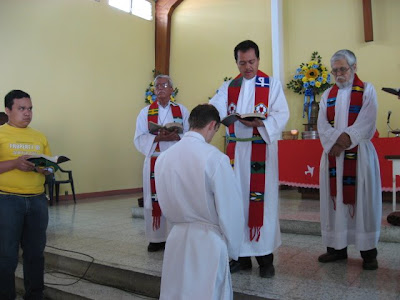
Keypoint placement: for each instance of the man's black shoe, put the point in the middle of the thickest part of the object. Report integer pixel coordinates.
(153, 247)
(394, 218)
(370, 265)
(267, 271)
(238, 265)
(330, 257)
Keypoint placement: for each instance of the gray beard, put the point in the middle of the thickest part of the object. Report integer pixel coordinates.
(347, 83)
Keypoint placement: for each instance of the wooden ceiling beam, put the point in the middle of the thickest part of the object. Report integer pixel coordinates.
(368, 28)
(164, 10)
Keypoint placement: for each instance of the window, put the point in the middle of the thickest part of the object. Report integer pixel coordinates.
(140, 8)
(124, 5)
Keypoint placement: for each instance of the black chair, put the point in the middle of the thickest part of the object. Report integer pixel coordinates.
(52, 182)
(3, 118)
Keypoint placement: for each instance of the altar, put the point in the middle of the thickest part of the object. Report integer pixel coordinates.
(299, 162)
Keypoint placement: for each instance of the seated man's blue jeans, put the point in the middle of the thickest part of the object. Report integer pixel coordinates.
(23, 220)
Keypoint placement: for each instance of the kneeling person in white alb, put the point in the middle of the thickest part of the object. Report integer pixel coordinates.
(198, 194)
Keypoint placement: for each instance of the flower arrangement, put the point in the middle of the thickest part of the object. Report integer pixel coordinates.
(311, 78)
(150, 96)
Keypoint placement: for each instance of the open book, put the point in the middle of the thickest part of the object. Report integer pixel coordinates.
(46, 161)
(232, 118)
(154, 127)
(392, 91)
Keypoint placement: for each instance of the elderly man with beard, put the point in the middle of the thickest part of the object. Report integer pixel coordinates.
(350, 183)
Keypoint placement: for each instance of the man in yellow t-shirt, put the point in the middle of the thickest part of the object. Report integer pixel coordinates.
(23, 204)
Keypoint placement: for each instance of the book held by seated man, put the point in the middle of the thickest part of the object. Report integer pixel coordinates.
(45, 161)
(154, 127)
(232, 118)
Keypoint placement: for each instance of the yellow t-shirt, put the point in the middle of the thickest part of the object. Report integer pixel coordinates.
(15, 142)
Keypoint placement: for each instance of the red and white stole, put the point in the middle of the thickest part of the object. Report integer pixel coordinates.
(350, 156)
(258, 149)
(152, 116)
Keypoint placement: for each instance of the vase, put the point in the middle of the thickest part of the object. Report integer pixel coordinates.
(314, 112)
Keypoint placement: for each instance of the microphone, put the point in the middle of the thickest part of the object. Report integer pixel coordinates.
(388, 117)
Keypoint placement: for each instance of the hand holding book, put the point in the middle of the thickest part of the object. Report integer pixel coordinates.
(172, 127)
(245, 118)
(165, 135)
(47, 162)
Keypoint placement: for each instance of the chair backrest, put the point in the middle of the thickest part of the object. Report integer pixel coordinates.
(3, 118)
(53, 182)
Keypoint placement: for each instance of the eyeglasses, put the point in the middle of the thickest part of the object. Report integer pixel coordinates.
(162, 85)
(342, 70)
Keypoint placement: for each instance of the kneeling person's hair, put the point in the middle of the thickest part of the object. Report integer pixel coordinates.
(202, 115)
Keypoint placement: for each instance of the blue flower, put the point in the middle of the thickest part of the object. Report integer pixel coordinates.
(306, 85)
(148, 93)
(298, 70)
(320, 78)
(328, 78)
(153, 97)
(312, 83)
(315, 66)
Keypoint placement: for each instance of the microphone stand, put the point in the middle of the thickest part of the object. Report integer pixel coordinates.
(389, 129)
(396, 132)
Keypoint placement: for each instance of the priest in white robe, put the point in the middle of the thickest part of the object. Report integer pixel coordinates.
(162, 112)
(350, 183)
(199, 195)
(254, 91)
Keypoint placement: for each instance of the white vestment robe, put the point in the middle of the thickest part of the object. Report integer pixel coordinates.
(278, 115)
(144, 142)
(339, 229)
(198, 194)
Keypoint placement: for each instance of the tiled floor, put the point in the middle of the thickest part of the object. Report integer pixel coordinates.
(104, 229)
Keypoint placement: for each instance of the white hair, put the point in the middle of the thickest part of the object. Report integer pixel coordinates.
(344, 54)
(164, 76)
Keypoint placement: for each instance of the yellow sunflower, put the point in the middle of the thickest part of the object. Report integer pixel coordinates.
(312, 73)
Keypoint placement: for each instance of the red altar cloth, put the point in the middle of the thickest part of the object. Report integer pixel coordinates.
(299, 162)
